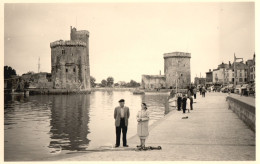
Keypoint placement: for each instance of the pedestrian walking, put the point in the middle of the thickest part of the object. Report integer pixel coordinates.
(121, 116)
(203, 91)
(184, 102)
(142, 125)
(200, 89)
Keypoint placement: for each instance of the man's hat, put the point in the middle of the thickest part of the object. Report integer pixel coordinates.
(122, 100)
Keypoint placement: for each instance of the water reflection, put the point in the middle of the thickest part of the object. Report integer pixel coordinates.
(69, 122)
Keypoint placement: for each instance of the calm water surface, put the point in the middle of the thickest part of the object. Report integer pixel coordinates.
(41, 126)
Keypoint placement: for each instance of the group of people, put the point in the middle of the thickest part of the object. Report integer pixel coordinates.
(185, 101)
(121, 116)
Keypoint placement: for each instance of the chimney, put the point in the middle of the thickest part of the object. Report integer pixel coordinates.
(160, 72)
(209, 70)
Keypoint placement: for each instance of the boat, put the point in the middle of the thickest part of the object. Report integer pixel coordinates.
(138, 92)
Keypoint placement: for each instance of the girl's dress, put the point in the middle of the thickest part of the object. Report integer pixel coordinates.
(142, 126)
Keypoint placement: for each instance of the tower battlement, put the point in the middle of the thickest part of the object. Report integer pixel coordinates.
(67, 43)
(177, 54)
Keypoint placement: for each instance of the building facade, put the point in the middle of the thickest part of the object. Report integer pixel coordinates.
(70, 62)
(153, 82)
(199, 81)
(209, 78)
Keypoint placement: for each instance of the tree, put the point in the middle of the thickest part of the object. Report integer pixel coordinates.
(92, 81)
(133, 83)
(8, 72)
(110, 81)
(103, 83)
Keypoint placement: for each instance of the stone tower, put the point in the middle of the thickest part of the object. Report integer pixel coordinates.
(177, 65)
(70, 62)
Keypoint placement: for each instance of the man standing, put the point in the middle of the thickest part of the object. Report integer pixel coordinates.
(179, 101)
(121, 116)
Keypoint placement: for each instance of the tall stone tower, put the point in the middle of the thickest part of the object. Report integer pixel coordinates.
(83, 36)
(70, 62)
(177, 66)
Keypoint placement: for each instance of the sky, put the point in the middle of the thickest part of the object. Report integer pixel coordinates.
(129, 39)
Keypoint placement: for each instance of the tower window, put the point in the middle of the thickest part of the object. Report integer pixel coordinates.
(66, 70)
(62, 51)
(74, 70)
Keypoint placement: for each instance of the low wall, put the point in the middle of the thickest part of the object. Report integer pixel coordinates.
(245, 111)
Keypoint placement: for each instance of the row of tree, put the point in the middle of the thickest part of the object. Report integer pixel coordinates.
(109, 82)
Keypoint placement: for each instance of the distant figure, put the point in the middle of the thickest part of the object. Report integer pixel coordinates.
(203, 91)
(172, 94)
(142, 126)
(194, 92)
(121, 116)
(189, 92)
(200, 89)
(188, 105)
(191, 102)
(184, 102)
(189, 96)
(179, 101)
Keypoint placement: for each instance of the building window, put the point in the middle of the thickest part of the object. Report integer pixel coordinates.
(66, 70)
(245, 79)
(240, 80)
(74, 69)
(62, 51)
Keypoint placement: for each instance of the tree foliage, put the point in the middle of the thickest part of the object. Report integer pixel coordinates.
(103, 83)
(110, 81)
(8, 72)
(92, 81)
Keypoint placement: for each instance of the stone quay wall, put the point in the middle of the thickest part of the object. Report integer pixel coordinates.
(245, 111)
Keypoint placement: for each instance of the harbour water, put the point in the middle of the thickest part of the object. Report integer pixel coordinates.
(41, 126)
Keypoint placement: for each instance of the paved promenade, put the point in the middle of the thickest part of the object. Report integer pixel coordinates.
(211, 133)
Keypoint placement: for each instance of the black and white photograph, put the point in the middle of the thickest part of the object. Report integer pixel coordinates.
(129, 81)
